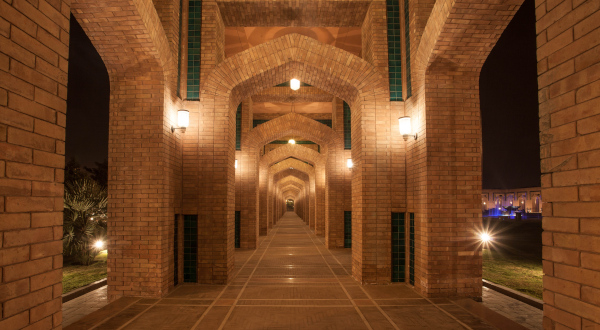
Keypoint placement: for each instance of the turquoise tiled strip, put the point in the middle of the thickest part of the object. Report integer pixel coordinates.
(194, 26)
(407, 44)
(398, 247)
(394, 49)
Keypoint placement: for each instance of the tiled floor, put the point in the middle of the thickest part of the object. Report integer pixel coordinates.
(290, 282)
(79, 307)
(522, 313)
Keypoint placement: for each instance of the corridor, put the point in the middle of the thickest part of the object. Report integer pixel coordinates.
(290, 282)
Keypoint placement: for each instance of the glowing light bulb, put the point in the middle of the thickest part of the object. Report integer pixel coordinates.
(99, 245)
(485, 237)
(349, 163)
(183, 118)
(292, 141)
(295, 84)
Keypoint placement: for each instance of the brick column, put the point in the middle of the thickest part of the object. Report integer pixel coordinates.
(568, 68)
(33, 91)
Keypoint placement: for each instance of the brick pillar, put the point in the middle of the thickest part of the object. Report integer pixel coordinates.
(453, 188)
(143, 157)
(334, 195)
(320, 203)
(264, 224)
(33, 91)
(249, 195)
(568, 68)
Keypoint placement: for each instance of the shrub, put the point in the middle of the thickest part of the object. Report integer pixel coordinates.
(84, 219)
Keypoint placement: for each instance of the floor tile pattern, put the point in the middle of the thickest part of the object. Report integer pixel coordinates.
(522, 313)
(292, 281)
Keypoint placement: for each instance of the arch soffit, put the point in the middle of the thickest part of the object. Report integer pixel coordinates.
(293, 189)
(290, 124)
(284, 152)
(339, 72)
(292, 184)
(295, 173)
(123, 50)
(435, 49)
(291, 178)
(287, 181)
(290, 162)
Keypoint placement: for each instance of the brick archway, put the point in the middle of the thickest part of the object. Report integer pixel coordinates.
(287, 151)
(142, 73)
(445, 107)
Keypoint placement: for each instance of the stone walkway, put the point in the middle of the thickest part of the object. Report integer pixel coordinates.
(79, 307)
(290, 282)
(515, 310)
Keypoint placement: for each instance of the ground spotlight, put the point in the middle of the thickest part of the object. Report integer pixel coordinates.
(485, 237)
(99, 244)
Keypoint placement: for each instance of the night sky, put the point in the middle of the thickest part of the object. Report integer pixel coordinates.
(509, 107)
(87, 101)
(508, 91)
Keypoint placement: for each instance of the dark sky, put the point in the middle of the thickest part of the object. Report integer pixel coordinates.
(509, 107)
(508, 91)
(87, 101)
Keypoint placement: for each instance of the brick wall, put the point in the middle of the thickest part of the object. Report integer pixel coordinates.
(569, 69)
(34, 39)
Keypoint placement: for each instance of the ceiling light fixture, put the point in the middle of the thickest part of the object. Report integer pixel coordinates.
(295, 84)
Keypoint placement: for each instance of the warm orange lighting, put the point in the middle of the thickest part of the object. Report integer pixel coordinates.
(295, 84)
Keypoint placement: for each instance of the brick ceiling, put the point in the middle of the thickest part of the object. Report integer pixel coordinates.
(238, 39)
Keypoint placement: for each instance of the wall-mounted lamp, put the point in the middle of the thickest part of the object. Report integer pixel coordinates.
(183, 120)
(406, 127)
(349, 163)
(292, 141)
(295, 84)
(235, 164)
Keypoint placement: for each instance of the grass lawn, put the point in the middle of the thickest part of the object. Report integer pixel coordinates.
(523, 274)
(76, 276)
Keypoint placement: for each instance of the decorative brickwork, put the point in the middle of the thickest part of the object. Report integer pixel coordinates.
(284, 13)
(436, 179)
(569, 69)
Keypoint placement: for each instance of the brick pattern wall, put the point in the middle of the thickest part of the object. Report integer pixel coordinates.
(34, 39)
(143, 153)
(569, 72)
(286, 94)
(307, 13)
(447, 192)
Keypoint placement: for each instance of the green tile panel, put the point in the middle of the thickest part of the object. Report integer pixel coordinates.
(179, 49)
(237, 228)
(190, 248)
(398, 247)
(407, 44)
(194, 27)
(348, 229)
(394, 49)
(411, 267)
(257, 122)
(238, 128)
(347, 127)
(176, 251)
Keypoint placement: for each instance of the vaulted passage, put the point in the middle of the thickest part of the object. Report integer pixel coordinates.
(291, 281)
(209, 139)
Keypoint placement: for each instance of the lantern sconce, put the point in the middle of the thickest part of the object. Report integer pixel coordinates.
(349, 164)
(405, 126)
(183, 121)
(235, 165)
